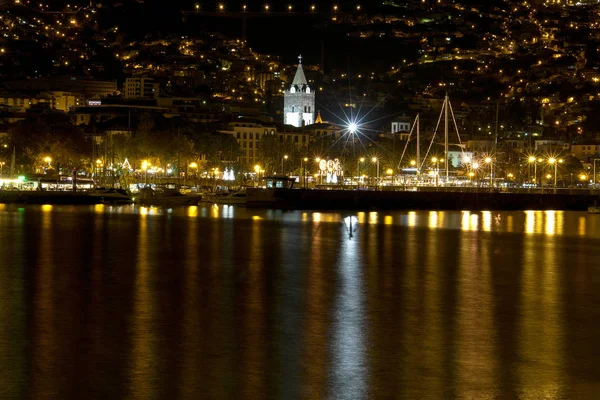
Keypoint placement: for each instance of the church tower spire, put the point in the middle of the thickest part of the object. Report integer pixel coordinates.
(318, 120)
(299, 100)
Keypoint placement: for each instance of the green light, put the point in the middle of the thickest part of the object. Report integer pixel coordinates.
(21, 178)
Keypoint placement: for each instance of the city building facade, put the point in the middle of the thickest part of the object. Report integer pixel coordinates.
(140, 88)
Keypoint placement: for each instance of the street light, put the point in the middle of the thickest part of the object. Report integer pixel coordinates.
(531, 160)
(475, 167)
(390, 172)
(555, 162)
(360, 160)
(376, 160)
(488, 160)
(285, 157)
(257, 171)
(318, 161)
(305, 159)
(193, 165)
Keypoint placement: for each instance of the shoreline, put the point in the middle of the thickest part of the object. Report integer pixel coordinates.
(320, 199)
(304, 199)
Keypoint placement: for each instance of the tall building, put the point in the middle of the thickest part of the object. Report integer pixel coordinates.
(299, 101)
(140, 88)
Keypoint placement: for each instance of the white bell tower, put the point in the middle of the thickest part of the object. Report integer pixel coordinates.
(299, 101)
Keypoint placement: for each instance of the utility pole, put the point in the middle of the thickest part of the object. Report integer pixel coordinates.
(496, 138)
(418, 146)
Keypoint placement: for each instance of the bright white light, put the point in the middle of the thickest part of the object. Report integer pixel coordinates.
(352, 127)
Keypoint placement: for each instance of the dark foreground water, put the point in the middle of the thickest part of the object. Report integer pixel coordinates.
(229, 303)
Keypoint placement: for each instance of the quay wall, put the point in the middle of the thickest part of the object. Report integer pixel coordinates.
(416, 200)
(46, 197)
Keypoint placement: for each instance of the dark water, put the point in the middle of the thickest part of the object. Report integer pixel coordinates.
(228, 303)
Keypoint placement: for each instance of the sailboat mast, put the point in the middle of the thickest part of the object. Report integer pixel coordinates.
(496, 136)
(446, 134)
(418, 147)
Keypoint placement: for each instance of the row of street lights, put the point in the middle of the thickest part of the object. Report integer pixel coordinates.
(221, 7)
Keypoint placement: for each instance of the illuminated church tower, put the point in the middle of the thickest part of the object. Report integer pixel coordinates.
(299, 101)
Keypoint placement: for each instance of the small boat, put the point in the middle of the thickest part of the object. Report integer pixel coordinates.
(594, 209)
(111, 196)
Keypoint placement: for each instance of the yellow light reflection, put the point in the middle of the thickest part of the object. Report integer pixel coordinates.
(256, 218)
(144, 210)
(373, 218)
(315, 329)
(433, 219)
(487, 221)
(550, 226)
(464, 222)
(388, 220)
(317, 217)
(143, 333)
(441, 219)
(99, 208)
(47, 207)
(333, 218)
(510, 224)
(214, 211)
(529, 221)
(474, 222)
(361, 217)
(581, 226)
(542, 303)
(412, 219)
(304, 217)
(192, 211)
(190, 337)
(475, 322)
(560, 222)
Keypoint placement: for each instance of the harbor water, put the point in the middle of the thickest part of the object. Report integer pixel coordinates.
(222, 302)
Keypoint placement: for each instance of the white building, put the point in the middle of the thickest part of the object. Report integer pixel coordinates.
(299, 101)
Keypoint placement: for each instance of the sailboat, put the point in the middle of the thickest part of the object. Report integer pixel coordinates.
(446, 113)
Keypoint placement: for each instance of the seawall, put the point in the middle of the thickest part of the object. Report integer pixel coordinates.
(47, 197)
(416, 200)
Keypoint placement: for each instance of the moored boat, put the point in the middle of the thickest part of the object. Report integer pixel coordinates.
(234, 198)
(149, 197)
(111, 196)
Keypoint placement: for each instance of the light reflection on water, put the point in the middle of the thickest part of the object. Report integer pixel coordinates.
(548, 222)
(228, 302)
